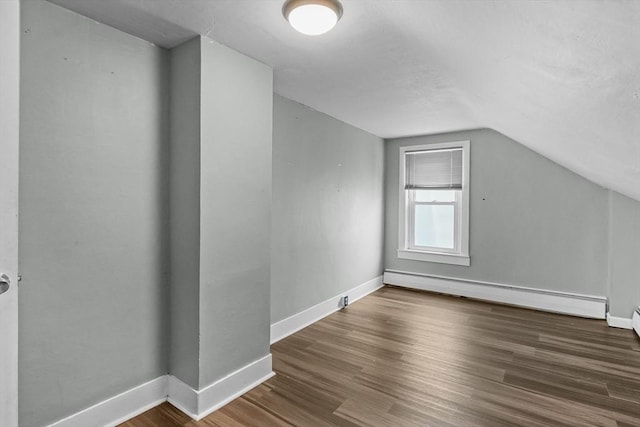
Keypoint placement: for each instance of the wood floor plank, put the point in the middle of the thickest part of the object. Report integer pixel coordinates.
(407, 358)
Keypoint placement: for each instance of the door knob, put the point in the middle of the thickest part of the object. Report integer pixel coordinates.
(4, 283)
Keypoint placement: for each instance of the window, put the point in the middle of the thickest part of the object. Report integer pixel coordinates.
(434, 203)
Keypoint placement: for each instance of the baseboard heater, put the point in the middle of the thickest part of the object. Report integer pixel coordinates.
(540, 299)
(635, 321)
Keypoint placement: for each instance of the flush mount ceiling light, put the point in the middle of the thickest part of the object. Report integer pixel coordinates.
(312, 17)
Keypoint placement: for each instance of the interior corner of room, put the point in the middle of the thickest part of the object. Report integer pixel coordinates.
(178, 215)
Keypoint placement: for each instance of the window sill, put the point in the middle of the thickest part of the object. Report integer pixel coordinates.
(439, 257)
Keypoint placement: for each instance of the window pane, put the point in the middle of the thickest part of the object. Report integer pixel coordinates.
(434, 226)
(435, 195)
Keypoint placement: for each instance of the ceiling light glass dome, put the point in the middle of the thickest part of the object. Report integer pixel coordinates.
(312, 17)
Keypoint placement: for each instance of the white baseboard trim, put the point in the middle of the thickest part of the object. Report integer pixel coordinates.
(196, 404)
(547, 300)
(120, 408)
(200, 403)
(635, 321)
(292, 324)
(183, 397)
(619, 322)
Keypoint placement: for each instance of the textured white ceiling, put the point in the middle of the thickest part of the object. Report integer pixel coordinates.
(562, 77)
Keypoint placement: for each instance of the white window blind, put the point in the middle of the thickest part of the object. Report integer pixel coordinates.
(434, 169)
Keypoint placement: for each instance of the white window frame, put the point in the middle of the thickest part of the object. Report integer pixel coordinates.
(406, 247)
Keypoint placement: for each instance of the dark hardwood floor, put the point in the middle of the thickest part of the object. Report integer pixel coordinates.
(405, 358)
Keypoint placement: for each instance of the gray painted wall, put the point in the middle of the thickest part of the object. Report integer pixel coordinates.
(184, 213)
(93, 249)
(220, 206)
(235, 199)
(327, 208)
(625, 255)
(532, 222)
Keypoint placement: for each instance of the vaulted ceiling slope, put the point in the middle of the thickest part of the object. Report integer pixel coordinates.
(560, 76)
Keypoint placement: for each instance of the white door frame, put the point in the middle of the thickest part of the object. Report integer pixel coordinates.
(9, 143)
